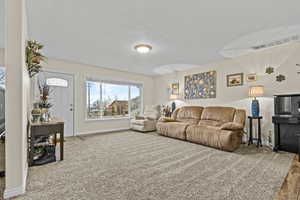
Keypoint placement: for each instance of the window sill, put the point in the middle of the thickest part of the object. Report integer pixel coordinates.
(108, 119)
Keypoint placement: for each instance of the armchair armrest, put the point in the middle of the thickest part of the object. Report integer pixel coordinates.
(232, 126)
(167, 119)
(139, 117)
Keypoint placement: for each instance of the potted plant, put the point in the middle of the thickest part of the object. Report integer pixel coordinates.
(34, 57)
(44, 103)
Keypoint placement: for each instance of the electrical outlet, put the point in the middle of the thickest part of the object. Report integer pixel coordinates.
(270, 137)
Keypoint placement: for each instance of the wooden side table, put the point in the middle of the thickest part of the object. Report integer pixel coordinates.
(250, 141)
(53, 127)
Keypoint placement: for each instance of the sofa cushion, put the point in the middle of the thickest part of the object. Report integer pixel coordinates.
(172, 129)
(167, 119)
(189, 114)
(143, 125)
(232, 126)
(214, 137)
(210, 123)
(217, 113)
(139, 122)
(152, 112)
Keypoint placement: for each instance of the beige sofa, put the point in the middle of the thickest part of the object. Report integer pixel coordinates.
(218, 127)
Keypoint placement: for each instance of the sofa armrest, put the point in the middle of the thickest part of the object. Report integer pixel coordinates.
(167, 119)
(232, 126)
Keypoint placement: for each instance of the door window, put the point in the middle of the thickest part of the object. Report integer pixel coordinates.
(58, 82)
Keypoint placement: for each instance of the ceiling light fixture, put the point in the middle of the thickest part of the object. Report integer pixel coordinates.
(143, 48)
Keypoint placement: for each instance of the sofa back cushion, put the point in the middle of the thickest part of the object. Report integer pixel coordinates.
(188, 114)
(210, 123)
(240, 117)
(152, 112)
(218, 113)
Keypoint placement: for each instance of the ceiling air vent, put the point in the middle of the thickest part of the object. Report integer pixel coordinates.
(276, 43)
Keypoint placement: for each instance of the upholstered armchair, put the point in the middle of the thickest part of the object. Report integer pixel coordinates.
(147, 121)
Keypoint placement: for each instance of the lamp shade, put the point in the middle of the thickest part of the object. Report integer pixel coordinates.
(256, 91)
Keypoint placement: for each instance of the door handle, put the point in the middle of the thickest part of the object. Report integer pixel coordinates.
(71, 109)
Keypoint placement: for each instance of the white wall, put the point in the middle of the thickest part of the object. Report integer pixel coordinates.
(1, 57)
(81, 71)
(283, 58)
(17, 101)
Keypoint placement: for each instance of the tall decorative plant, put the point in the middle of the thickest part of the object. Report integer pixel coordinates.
(44, 96)
(34, 57)
(44, 103)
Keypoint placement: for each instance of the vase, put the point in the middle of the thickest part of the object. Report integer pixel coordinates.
(255, 108)
(45, 117)
(36, 113)
(35, 118)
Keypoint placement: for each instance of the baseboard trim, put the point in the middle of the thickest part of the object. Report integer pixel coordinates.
(25, 176)
(13, 192)
(102, 131)
(9, 193)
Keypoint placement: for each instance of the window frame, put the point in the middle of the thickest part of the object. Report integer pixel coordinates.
(115, 82)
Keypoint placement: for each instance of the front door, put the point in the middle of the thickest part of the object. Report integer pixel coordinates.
(62, 97)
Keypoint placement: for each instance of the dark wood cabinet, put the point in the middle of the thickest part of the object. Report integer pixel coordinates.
(286, 129)
(36, 130)
(287, 123)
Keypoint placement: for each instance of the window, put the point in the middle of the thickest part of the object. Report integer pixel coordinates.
(113, 99)
(135, 100)
(2, 77)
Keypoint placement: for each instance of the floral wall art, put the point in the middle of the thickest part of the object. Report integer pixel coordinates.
(200, 86)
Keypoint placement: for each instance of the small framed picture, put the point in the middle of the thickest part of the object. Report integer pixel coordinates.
(175, 88)
(235, 80)
(251, 77)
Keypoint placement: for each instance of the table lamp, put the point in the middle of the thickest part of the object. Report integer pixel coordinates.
(255, 91)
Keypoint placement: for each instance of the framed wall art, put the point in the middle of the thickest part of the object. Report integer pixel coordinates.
(235, 80)
(175, 88)
(200, 86)
(251, 77)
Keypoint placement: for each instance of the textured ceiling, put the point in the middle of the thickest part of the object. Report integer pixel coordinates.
(193, 32)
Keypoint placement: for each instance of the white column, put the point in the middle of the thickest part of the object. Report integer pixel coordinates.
(17, 95)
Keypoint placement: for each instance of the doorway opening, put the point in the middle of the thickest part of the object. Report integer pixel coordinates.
(61, 97)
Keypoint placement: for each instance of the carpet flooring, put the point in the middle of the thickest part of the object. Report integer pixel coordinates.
(290, 189)
(2, 168)
(137, 166)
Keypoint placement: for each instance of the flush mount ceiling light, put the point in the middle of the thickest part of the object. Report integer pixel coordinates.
(143, 48)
